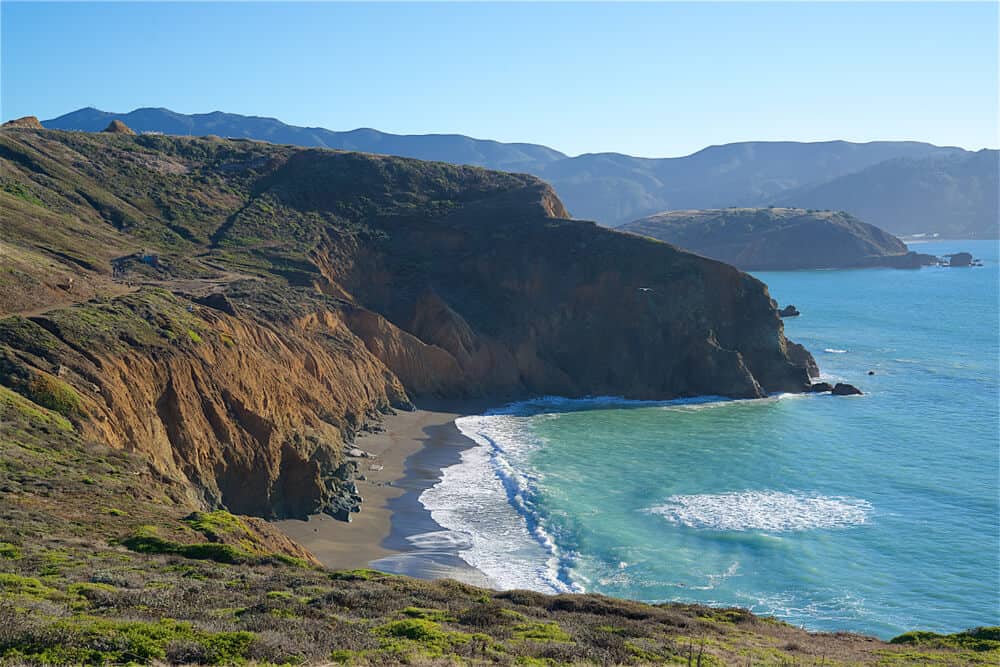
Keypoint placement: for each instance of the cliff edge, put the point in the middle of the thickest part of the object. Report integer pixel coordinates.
(238, 311)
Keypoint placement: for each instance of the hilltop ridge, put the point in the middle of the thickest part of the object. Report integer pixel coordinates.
(780, 239)
(613, 188)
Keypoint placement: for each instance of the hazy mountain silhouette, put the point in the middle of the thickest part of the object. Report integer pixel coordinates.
(613, 188)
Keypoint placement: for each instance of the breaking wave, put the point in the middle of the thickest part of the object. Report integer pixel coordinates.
(769, 511)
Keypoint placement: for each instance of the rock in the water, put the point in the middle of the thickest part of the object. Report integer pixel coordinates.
(871, 372)
(26, 122)
(789, 311)
(118, 127)
(844, 389)
(820, 387)
(960, 259)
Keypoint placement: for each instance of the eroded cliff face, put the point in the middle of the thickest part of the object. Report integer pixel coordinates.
(246, 309)
(525, 304)
(252, 417)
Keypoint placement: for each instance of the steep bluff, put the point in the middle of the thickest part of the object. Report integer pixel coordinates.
(238, 311)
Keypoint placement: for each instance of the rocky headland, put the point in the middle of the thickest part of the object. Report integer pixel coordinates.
(780, 239)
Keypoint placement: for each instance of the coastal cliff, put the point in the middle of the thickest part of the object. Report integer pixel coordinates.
(238, 311)
(780, 239)
(190, 325)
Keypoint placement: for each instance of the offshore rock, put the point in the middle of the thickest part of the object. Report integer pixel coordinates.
(789, 311)
(844, 389)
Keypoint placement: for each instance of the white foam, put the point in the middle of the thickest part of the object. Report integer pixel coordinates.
(833, 350)
(768, 511)
(489, 497)
(447, 540)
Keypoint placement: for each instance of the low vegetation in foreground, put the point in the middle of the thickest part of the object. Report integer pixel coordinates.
(102, 562)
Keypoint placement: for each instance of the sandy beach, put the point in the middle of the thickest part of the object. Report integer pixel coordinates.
(393, 532)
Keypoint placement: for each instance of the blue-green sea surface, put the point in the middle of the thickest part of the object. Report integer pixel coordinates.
(875, 514)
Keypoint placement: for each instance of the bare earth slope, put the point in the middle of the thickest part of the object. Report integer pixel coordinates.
(776, 239)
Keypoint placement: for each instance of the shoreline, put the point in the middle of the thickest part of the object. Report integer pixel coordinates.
(393, 532)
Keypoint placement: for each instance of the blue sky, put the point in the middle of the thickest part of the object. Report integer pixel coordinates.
(646, 79)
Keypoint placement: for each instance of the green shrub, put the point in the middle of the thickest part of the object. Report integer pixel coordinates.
(976, 639)
(10, 400)
(217, 524)
(415, 629)
(54, 394)
(92, 641)
(543, 632)
(9, 551)
(436, 615)
(15, 584)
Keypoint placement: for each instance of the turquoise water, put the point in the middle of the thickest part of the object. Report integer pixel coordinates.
(877, 514)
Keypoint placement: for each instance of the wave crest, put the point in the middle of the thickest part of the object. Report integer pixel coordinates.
(769, 511)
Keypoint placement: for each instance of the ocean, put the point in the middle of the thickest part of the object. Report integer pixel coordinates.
(875, 514)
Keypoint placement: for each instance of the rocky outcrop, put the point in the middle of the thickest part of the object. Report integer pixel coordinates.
(789, 311)
(960, 259)
(253, 417)
(801, 357)
(844, 389)
(25, 122)
(118, 127)
(779, 239)
(302, 293)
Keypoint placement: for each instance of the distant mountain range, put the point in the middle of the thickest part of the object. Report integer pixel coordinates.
(903, 187)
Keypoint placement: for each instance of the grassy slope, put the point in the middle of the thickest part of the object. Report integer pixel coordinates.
(101, 559)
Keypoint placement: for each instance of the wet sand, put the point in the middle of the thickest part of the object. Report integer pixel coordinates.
(393, 532)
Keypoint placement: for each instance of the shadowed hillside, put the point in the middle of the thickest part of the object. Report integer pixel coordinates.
(955, 196)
